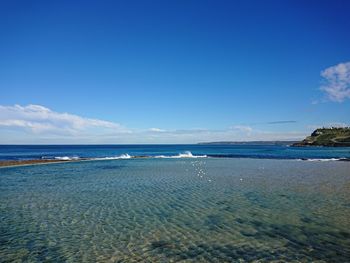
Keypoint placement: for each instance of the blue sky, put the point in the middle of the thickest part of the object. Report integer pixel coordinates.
(172, 71)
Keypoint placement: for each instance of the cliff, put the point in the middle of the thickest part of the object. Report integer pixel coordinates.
(332, 137)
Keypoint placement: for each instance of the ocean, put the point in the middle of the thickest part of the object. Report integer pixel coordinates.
(184, 203)
(27, 152)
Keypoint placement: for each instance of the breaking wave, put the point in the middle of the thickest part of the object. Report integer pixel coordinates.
(186, 154)
(123, 156)
(76, 158)
(322, 160)
(66, 158)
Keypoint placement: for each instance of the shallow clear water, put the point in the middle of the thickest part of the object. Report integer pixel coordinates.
(168, 210)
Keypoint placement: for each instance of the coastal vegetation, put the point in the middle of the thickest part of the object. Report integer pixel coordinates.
(332, 137)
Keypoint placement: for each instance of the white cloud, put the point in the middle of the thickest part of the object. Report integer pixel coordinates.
(41, 120)
(156, 130)
(243, 128)
(337, 82)
(37, 124)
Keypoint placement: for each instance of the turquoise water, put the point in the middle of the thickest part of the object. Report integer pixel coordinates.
(171, 210)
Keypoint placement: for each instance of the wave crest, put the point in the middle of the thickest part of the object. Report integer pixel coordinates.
(321, 160)
(66, 158)
(186, 154)
(123, 156)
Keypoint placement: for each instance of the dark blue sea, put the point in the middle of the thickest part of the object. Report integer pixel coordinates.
(25, 152)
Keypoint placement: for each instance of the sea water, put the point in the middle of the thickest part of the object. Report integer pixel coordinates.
(176, 210)
(66, 152)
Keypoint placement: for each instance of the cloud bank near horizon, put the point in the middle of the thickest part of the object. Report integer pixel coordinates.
(39, 124)
(39, 120)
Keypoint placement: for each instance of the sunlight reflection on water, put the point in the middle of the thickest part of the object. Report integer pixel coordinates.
(171, 210)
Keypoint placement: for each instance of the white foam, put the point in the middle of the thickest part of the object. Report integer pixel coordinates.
(66, 158)
(322, 160)
(123, 156)
(186, 154)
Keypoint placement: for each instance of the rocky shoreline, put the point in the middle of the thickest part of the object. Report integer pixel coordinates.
(12, 163)
(31, 162)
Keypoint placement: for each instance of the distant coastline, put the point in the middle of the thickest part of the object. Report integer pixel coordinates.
(249, 143)
(322, 137)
